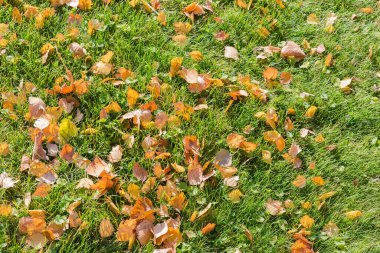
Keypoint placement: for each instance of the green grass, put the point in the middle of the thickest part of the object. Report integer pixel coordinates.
(350, 121)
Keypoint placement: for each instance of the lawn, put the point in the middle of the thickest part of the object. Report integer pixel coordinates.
(219, 142)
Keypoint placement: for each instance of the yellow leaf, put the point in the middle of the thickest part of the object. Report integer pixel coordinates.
(196, 55)
(175, 64)
(161, 17)
(352, 215)
(85, 5)
(235, 196)
(16, 15)
(312, 19)
(132, 97)
(134, 191)
(5, 210)
(327, 195)
(311, 111)
(280, 3)
(306, 221)
(4, 148)
(367, 10)
(319, 138)
(306, 205)
(67, 129)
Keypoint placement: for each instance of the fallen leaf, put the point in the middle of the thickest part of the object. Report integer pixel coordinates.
(328, 60)
(115, 154)
(5, 210)
(106, 228)
(97, 167)
(231, 52)
(353, 215)
(235, 196)
(139, 172)
(223, 158)
(270, 73)
(291, 49)
(306, 221)
(312, 19)
(67, 129)
(196, 55)
(208, 228)
(310, 112)
(84, 183)
(274, 207)
(300, 182)
(331, 229)
(42, 190)
(6, 181)
(318, 181)
(4, 148)
(132, 97)
(222, 35)
(285, 78)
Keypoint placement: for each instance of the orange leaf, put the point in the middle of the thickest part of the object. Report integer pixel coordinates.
(300, 181)
(318, 181)
(208, 228)
(270, 73)
(328, 60)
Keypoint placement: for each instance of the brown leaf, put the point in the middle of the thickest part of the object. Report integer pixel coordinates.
(222, 35)
(67, 153)
(139, 172)
(97, 167)
(77, 50)
(291, 49)
(195, 174)
(223, 158)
